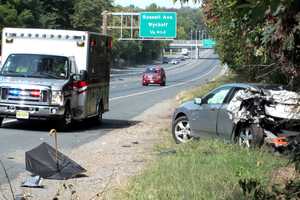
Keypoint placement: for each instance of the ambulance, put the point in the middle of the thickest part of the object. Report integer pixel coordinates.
(60, 75)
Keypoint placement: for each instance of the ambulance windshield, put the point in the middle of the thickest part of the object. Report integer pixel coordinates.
(36, 66)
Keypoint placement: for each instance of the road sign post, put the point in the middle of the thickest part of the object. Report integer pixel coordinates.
(158, 25)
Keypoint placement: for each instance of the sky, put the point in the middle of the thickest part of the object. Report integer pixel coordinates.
(160, 3)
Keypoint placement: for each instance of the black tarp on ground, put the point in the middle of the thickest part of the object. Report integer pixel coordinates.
(42, 161)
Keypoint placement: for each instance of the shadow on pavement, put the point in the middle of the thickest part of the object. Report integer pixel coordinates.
(86, 125)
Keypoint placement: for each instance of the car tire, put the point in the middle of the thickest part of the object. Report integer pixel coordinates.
(1, 121)
(163, 83)
(65, 123)
(181, 130)
(250, 136)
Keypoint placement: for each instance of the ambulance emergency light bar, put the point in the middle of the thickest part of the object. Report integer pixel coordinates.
(10, 37)
(49, 36)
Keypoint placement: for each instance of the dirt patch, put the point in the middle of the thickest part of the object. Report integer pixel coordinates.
(283, 175)
(109, 160)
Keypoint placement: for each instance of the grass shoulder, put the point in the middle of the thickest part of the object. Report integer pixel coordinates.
(204, 169)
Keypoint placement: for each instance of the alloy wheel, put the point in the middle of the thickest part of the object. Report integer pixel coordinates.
(182, 131)
(245, 137)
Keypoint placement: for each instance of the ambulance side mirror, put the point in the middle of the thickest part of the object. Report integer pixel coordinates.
(75, 77)
(83, 75)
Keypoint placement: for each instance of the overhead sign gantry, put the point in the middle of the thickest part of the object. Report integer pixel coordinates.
(141, 26)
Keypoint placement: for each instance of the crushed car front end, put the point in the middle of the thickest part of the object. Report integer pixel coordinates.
(274, 109)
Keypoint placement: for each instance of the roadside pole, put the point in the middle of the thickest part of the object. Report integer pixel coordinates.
(196, 45)
(191, 44)
(200, 41)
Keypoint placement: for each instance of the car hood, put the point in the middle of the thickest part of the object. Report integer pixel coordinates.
(23, 82)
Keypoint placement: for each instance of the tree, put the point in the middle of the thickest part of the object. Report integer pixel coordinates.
(19, 14)
(87, 14)
(189, 19)
(56, 14)
(260, 37)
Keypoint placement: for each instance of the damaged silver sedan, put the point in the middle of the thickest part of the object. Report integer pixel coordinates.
(248, 114)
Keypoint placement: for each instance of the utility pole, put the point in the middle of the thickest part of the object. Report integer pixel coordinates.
(191, 43)
(121, 26)
(196, 44)
(104, 22)
(200, 40)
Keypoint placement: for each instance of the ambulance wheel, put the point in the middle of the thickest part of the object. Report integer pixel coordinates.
(99, 116)
(66, 122)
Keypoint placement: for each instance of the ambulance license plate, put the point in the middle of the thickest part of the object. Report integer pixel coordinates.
(22, 115)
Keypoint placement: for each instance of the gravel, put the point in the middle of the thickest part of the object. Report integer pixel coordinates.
(109, 160)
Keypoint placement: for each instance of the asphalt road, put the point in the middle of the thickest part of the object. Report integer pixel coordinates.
(128, 98)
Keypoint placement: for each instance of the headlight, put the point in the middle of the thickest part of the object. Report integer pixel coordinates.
(57, 98)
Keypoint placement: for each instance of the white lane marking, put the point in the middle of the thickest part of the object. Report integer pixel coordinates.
(163, 88)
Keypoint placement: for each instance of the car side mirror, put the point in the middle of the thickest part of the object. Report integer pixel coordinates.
(83, 75)
(198, 101)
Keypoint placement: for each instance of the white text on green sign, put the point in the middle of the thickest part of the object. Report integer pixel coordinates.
(158, 24)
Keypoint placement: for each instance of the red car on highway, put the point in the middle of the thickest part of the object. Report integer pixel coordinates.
(154, 75)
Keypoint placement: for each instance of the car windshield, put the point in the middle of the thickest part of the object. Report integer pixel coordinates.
(151, 70)
(36, 66)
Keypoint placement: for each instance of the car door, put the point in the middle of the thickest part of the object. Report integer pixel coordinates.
(224, 123)
(204, 117)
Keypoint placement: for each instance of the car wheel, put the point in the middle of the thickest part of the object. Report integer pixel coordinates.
(66, 122)
(1, 121)
(163, 83)
(181, 130)
(145, 84)
(250, 136)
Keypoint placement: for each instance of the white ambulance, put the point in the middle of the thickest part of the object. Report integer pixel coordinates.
(54, 74)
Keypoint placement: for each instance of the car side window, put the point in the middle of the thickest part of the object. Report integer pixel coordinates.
(232, 94)
(217, 96)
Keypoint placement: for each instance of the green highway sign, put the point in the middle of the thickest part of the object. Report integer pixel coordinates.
(208, 43)
(158, 24)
